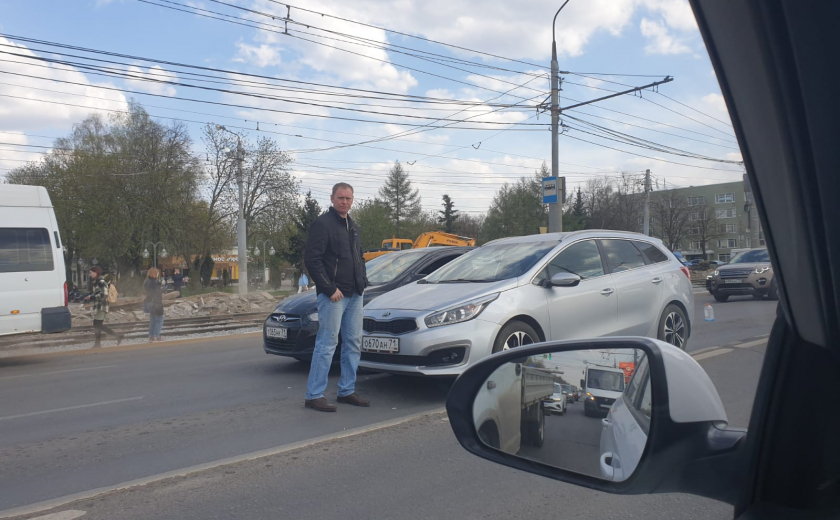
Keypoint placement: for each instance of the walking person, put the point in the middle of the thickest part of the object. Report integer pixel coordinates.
(100, 306)
(334, 257)
(303, 282)
(154, 303)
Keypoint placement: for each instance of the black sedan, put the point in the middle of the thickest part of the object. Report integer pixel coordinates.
(291, 328)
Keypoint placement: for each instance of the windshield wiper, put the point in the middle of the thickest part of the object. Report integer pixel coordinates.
(465, 280)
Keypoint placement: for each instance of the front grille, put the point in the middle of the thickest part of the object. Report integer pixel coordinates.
(280, 318)
(398, 326)
(735, 273)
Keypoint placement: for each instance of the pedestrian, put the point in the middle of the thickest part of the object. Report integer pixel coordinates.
(100, 306)
(154, 303)
(178, 281)
(303, 282)
(334, 257)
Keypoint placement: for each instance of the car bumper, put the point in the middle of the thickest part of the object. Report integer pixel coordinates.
(444, 351)
(553, 407)
(756, 285)
(299, 342)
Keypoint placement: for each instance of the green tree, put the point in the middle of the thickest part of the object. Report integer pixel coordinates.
(402, 200)
(448, 215)
(516, 210)
(372, 217)
(578, 209)
(304, 217)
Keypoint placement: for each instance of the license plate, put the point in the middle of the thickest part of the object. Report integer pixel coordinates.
(732, 280)
(374, 344)
(277, 332)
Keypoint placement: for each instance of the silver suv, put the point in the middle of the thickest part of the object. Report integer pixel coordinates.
(748, 273)
(522, 290)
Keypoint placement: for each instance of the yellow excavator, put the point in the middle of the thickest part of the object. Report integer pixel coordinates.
(428, 239)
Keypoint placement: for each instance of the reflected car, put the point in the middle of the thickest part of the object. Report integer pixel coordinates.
(522, 290)
(292, 326)
(556, 404)
(625, 429)
(748, 273)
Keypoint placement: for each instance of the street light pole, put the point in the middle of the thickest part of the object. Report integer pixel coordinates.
(555, 211)
(241, 230)
(265, 244)
(154, 249)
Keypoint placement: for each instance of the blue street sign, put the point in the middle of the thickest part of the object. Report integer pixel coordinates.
(550, 190)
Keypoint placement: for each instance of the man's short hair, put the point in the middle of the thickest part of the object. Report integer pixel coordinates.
(96, 269)
(342, 185)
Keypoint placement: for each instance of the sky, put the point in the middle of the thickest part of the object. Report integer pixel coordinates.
(489, 72)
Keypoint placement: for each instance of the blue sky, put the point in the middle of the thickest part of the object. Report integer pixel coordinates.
(643, 37)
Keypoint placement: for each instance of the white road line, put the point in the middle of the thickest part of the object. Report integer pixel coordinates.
(70, 514)
(66, 408)
(712, 353)
(751, 343)
(6, 378)
(84, 495)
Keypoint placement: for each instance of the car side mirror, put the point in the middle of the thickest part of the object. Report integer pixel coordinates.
(564, 280)
(651, 420)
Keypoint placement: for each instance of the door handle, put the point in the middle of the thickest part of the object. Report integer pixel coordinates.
(491, 385)
(657, 280)
(607, 292)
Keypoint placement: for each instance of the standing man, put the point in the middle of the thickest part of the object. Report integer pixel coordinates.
(178, 281)
(333, 257)
(100, 305)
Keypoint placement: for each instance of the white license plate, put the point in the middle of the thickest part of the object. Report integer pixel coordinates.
(732, 280)
(374, 344)
(277, 332)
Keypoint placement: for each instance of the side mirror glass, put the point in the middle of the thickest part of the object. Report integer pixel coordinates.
(564, 280)
(529, 410)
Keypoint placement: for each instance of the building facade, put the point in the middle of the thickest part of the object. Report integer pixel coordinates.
(721, 217)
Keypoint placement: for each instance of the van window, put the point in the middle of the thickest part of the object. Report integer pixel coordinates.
(25, 250)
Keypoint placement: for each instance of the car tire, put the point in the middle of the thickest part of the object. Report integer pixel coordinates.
(673, 327)
(489, 435)
(533, 427)
(720, 297)
(515, 334)
(773, 293)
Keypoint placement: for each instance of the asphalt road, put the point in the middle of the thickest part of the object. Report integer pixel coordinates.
(73, 422)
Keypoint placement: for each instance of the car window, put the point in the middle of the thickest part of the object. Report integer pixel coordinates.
(652, 254)
(389, 267)
(493, 262)
(622, 255)
(645, 401)
(582, 259)
(632, 391)
(437, 264)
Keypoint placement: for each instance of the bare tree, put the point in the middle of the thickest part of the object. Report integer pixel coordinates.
(703, 226)
(669, 210)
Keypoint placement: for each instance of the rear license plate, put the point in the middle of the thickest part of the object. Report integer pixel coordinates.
(277, 332)
(732, 280)
(374, 344)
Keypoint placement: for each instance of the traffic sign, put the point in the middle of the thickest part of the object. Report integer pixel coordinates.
(550, 190)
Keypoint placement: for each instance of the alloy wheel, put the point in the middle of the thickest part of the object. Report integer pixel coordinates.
(675, 330)
(518, 339)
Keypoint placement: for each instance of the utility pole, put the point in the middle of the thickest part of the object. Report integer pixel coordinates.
(647, 203)
(555, 211)
(242, 251)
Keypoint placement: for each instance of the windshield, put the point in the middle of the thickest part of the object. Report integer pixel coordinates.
(751, 257)
(493, 263)
(603, 380)
(567, 389)
(386, 268)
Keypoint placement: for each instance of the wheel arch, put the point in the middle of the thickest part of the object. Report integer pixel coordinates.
(534, 324)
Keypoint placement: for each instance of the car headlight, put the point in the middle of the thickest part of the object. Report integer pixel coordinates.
(461, 313)
(762, 270)
(313, 316)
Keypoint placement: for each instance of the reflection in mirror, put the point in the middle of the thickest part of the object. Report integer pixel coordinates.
(586, 411)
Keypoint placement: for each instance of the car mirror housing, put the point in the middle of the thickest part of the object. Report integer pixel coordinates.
(687, 447)
(564, 280)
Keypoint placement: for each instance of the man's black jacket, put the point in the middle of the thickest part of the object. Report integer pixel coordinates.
(333, 255)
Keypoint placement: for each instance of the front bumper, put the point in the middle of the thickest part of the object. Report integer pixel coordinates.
(444, 351)
(751, 284)
(553, 406)
(300, 338)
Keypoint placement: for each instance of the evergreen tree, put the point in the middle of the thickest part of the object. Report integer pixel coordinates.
(448, 215)
(403, 202)
(304, 217)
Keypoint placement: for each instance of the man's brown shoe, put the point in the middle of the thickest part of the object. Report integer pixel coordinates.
(354, 399)
(320, 404)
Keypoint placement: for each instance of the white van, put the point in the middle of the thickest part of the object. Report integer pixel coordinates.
(33, 283)
(603, 386)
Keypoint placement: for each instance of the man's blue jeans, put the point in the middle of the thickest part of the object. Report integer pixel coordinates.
(344, 316)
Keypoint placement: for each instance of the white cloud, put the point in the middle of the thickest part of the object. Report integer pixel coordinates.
(156, 74)
(261, 56)
(735, 156)
(660, 40)
(676, 13)
(22, 113)
(716, 104)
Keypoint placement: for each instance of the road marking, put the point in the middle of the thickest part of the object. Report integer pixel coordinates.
(6, 378)
(66, 408)
(700, 351)
(70, 514)
(85, 495)
(712, 353)
(751, 343)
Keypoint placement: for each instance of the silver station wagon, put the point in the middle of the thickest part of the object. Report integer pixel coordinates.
(522, 290)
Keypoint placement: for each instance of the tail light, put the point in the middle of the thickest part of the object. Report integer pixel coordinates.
(686, 272)
(65, 294)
